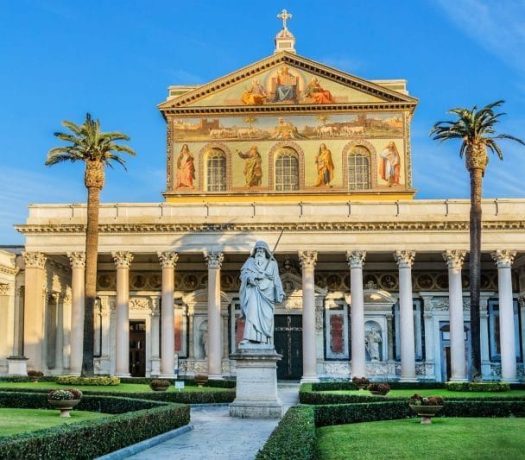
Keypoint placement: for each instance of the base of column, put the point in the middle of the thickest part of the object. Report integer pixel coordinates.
(510, 380)
(455, 380)
(155, 367)
(309, 379)
(123, 374)
(167, 376)
(408, 379)
(215, 377)
(256, 390)
(17, 365)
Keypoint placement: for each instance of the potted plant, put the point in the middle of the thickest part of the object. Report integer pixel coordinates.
(159, 384)
(360, 382)
(379, 389)
(35, 375)
(201, 379)
(64, 400)
(425, 408)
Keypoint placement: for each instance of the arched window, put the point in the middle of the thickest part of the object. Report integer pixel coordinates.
(287, 170)
(216, 171)
(359, 169)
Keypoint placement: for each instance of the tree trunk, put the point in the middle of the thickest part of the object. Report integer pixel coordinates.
(94, 181)
(476, 178)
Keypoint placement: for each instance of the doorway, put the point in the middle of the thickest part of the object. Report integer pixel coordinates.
(137, 348)
(444, 334)
(288, 340)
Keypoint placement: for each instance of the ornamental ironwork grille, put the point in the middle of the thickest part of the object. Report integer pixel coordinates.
(287, 171)
(216, 168)
(359, 169)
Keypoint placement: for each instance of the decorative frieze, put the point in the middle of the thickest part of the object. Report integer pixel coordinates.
(77, 259)
(140, 303)
(503, 257)
(307, 259)
(34, 259)
(355, 258)
(122, 259)
(4, 289)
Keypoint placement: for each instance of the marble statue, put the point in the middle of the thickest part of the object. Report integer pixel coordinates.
(372, 340)
(261, 289)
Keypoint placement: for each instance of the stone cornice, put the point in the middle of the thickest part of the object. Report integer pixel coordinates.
(454, 226)
(4, 269)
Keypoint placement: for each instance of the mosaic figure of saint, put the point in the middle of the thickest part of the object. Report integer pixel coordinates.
(390, 164)
(316, 93)
(254, 95)
(325, 166)
(252, 166)
(185, 168)
(286, 89)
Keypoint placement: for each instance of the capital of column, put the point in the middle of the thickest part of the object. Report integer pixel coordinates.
(307, 259)
(122, 259)
(4, 289)
(503, 257)
(356, 258)
(77, 259)
(168, 259)
(214, 258)
(454, 258)
(34, 259)
(405, 258)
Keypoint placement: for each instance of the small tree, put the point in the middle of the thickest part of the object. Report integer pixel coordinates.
(97, 149)
(476, 131)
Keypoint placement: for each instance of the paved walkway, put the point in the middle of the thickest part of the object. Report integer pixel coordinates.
(218, 436)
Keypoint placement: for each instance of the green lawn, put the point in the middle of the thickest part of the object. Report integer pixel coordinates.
(446, 438)
(437, 392)
(14, 421)
(123, 387)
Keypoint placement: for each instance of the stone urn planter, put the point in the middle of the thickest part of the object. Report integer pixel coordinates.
(426, 408)
(64, 405)
(159, 384)
(425, 412)
(360, 382)
(201, 379)
(64, 400)
(379, 389)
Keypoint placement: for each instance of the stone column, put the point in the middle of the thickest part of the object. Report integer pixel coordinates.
(404, 260)
(78, 264)
(308, 260)
(486, 369)
(214, 259)
(504, 259)
(458, 364)
(355, 262)
(430, 363)
(35, 289)
(7, 308)
(122, 262)
(168, 260)
(155, 358)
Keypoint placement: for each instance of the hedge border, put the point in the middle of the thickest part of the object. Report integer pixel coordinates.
(293, 439)
(135, 421)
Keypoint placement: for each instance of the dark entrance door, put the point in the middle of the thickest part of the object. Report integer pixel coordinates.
(288, 339)
(137, 348)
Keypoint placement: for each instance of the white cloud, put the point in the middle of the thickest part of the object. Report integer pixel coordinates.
(496, 25)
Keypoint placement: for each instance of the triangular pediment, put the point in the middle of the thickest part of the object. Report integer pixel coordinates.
(286, 79)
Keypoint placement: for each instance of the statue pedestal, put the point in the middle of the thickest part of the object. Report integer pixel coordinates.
(256, 393)
(17, 365)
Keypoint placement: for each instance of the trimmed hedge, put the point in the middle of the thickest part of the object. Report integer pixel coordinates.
(95, 381)
(23, 378)
(136, 420)
(478, 386)
(339, 414)
(189, 382)
(181, 397)
(294, 437)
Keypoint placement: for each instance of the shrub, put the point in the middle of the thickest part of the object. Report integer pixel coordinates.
(96, 381)
(64, 395)
(331, 386)
(478, 386)
(159, 384)
(380, 388)
(360, 382)
(418, 400)
(294, 437)
(36, 374)
(136, 420)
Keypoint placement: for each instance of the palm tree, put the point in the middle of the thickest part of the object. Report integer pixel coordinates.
(97, 149)
(476, 129)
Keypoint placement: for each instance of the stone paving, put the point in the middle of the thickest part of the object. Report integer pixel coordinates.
(218, 436)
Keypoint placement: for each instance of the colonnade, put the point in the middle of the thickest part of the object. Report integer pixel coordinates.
(34, 309)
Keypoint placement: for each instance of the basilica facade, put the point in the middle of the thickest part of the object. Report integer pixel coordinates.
(317, 163)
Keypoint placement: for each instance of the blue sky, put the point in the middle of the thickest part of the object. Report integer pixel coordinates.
(116, 58)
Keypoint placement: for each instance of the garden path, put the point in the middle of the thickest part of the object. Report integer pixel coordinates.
(218, 436)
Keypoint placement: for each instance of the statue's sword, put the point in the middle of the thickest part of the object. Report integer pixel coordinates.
(274, 249)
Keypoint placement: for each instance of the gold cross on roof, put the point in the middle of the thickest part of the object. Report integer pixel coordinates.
(284, 15)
